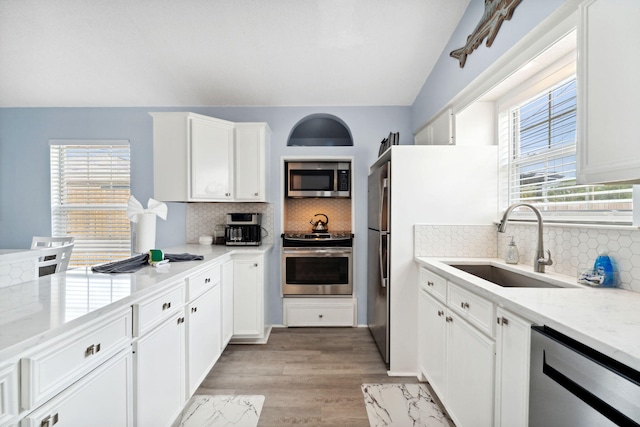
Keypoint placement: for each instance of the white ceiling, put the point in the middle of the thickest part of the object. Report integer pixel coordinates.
(83, 53)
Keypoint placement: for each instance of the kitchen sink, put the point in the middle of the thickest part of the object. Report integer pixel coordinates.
(502, 277)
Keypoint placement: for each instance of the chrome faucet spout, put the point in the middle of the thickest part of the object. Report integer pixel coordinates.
(540, 260)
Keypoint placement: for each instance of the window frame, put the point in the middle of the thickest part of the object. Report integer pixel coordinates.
(89, 248)
(561, 71)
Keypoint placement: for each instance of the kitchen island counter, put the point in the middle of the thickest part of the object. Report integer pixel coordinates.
(51, 306)
(605, 319)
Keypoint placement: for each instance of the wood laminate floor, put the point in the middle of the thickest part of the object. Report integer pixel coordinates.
(309, 376)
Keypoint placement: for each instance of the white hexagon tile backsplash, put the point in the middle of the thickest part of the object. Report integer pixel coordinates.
(202, 218)
(573, 248)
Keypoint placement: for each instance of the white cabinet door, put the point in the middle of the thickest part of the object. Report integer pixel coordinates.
(250, 175)
(469, 374)
(8, 393)
(227, 302)
(100, 399)
(211, 160)
(608, 91)
(432, 339)
(203, 337)
(512, 370)
(248, 320)
(159, 372)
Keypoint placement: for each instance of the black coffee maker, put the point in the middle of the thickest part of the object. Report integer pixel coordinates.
(243, 229)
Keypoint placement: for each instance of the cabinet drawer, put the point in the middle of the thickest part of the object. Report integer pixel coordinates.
(150, 313)
(320, 314)
(477, 310)
(102, 399)
(434, 284)
(197, 284)
(54, 368)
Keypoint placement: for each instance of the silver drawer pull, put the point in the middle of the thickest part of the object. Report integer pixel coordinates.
(449, 319)
(440, 313)
(49, 421)
(429, 283)
(207, 280)
(166, 305)
(180, 320)
(92, 349)
(194, 309)
(464, 304)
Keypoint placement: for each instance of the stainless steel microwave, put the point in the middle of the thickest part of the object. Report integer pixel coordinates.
(318, 179)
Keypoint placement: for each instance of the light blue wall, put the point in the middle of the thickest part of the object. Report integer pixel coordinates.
(447, 79)
(25, 134)
(24, 165)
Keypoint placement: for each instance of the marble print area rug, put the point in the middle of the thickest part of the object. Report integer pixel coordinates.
(221, 410)
(402, 405)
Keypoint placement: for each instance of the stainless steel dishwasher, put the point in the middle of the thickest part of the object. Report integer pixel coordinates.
(574, 385)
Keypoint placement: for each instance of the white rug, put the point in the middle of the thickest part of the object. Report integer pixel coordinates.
(221, 410)
(402, 405)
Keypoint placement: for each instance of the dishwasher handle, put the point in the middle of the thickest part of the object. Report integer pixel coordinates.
(586, 396)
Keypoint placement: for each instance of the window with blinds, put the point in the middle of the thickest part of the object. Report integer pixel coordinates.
(90, 187)
(540, 135)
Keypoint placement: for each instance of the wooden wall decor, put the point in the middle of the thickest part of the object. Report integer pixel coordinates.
(495, 12)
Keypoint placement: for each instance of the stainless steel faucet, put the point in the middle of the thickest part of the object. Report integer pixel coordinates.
(539, 261)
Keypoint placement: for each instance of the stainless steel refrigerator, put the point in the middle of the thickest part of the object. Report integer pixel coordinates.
(379, 243)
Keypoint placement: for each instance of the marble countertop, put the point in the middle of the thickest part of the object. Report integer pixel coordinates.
(38, 310)
(9, 255)
(605, 319)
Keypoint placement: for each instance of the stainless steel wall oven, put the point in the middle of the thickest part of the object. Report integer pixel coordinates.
(317, 264)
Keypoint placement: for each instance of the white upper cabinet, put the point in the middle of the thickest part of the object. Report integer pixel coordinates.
(198, 158)
(439, 131)
(608, 109)
(251, 142)
(211, 159)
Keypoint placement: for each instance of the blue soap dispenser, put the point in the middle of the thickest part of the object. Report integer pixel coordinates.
(604, 267)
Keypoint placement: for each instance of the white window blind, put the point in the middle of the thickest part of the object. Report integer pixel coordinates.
(90, 187)
(540, 135)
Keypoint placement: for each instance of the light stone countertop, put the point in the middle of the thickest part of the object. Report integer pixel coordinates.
(606, 319)
(35, 311)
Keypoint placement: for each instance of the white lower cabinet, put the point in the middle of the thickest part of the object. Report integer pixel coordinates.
(432, 342)
(227, 302)
(8, 393)
(249, 324)
(159, 373)
(319, 312)
(456, 352)
(101, 399)
(469, 373)
(203, 337)
(54, 366)
(512, 370)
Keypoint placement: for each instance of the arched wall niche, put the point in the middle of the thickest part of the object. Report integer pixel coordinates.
(320, 130)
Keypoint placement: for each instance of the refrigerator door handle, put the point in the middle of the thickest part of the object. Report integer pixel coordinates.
(382, 260)
(383, 219)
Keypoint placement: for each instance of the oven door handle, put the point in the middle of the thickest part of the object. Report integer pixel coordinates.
(316, 252)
